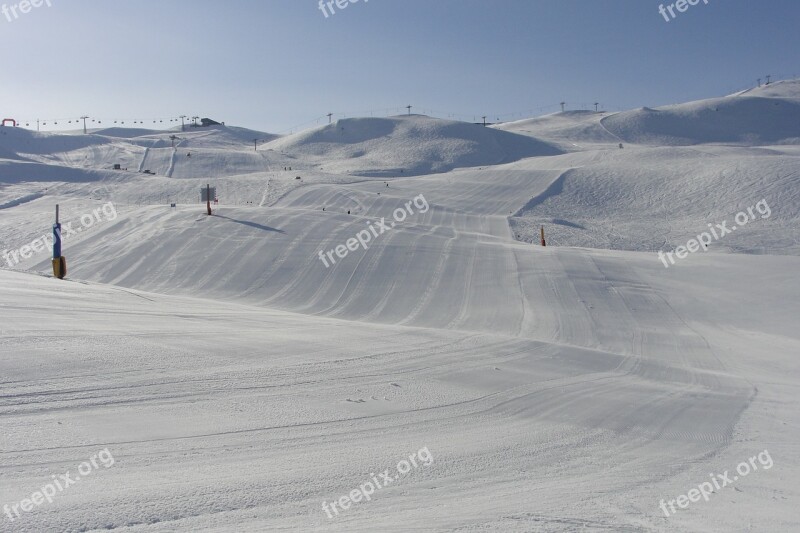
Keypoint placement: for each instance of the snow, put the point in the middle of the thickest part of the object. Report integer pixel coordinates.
(733, 120)
(406, 145)
(239, 383)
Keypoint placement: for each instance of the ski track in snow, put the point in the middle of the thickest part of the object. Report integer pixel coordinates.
(239, 383)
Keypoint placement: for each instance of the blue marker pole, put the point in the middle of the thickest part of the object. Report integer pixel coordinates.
(56, 237)
(59, 261)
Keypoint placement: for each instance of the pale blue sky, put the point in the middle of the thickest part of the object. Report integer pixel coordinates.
(277, 64)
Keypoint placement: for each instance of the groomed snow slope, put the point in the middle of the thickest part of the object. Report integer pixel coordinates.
(225, 417)
(650, 199)
(239, 382)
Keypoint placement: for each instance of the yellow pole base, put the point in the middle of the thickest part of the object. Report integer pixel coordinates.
(60, 267)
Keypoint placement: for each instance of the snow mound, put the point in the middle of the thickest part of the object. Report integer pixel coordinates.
(648, 199)
(216, 137)
(24, 171)
(222, 137)
(407, 145)
(742, 120)
(570, 130)
(217, 151)
(779, 89)
(22, 141)
(128, 133)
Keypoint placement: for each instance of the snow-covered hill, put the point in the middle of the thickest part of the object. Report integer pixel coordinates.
(743, 120)
(571, 130)
(406, 146)
(328, 321)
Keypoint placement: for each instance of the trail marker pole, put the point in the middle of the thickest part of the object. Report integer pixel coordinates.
(544, 243)
(59, 261)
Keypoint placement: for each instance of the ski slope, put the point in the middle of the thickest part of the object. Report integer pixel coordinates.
(406, 146)
(239, 382)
